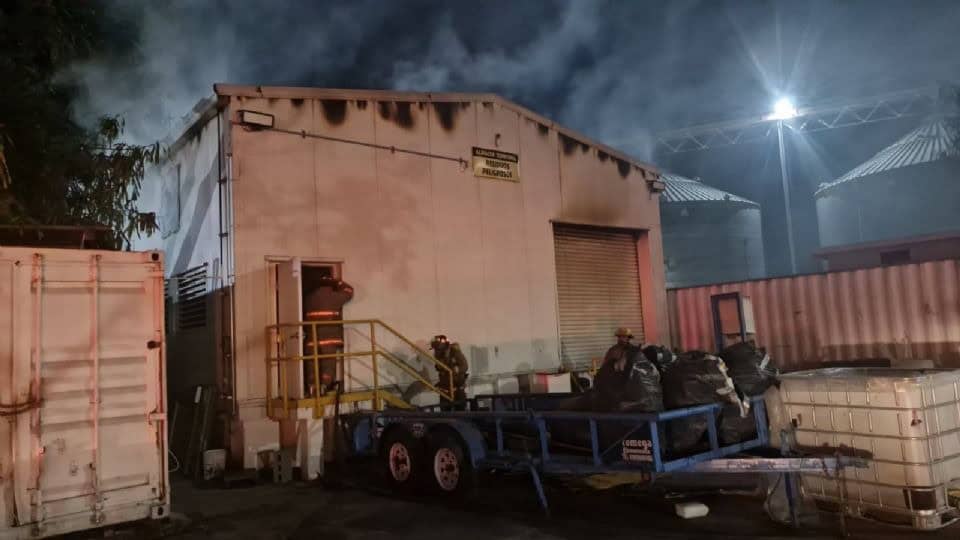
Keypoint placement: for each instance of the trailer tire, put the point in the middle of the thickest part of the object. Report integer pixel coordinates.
(449, 466)
(402, 456)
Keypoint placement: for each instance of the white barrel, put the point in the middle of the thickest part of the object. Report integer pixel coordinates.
(214, 463)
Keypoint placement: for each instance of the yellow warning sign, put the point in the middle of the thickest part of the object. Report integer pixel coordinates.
(495, 164)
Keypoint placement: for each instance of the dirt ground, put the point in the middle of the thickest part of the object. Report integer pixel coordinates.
(509, 511)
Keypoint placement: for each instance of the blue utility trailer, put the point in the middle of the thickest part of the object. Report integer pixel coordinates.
(444, 450)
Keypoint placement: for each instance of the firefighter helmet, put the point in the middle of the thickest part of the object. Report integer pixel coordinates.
(438, 341)
(623, 332)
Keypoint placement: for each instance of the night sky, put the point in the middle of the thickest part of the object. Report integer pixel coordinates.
(617, 71)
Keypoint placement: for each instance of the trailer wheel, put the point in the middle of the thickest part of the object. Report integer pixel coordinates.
(449, 465)
(402, 456)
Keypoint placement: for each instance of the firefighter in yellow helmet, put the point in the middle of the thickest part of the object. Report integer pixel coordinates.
(621, 351)
(450, 355)
(611, 378)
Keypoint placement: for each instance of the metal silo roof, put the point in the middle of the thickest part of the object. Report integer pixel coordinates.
(930, 142)
(681, 189)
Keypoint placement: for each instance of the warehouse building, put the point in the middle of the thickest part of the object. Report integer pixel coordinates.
(458, 214)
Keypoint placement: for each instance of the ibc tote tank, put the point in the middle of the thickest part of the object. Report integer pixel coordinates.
(709, 235)
(84, 438)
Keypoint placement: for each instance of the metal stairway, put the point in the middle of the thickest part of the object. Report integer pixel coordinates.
(370, 368)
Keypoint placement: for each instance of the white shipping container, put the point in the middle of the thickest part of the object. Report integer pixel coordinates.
(82, 390)
(907, 420)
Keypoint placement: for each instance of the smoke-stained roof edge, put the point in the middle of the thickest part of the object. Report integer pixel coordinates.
(651, 172)
(204, 110)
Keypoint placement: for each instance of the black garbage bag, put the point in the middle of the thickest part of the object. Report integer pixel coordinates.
(750, 368)
(636, 388)
(735, 427)
(695, 378)
(659, 355)
(642, 391)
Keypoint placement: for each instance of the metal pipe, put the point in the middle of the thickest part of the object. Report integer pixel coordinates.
(373, 364)
(316, 372)
(220, 180)
(785, 181)
(269, 367)
(283, 389)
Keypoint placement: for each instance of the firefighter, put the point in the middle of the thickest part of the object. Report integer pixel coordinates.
(450, 355)
(611, 378)
(621, 351)
(325, 303)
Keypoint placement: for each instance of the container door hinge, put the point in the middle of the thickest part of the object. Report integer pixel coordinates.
(156, 417)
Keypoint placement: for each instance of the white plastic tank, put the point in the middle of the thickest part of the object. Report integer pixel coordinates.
(83, 443)
(908, 421)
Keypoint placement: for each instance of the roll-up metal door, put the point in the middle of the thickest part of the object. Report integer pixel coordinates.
(598, 288)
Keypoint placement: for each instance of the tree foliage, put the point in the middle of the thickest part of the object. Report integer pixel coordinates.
(54, 171)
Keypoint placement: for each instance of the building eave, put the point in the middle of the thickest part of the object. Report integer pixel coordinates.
(649, 172)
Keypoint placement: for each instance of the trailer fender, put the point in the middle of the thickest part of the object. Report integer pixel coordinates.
(468, 433)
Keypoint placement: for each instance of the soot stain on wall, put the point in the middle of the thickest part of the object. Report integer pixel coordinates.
(622, 167)
(570, 144)
(334, 110)
(383, 107)
(404, 114)
(446, 113)
(400, 111)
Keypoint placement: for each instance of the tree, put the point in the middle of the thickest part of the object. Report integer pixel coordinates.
(54, 171)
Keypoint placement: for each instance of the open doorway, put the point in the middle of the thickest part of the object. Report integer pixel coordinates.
(306, 292)
(324, 295)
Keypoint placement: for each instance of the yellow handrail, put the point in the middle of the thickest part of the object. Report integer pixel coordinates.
(274, 336)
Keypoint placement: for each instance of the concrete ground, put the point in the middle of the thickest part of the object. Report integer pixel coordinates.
(309, 511)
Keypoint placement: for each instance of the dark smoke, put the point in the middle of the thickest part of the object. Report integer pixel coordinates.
(615, 70)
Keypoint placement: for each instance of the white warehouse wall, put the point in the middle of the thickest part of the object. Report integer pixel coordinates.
(429, 247)
(182, 190)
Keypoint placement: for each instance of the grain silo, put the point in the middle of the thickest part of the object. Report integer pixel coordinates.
(709, 235)
(909, 188)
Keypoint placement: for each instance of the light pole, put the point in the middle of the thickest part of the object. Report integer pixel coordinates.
(783, 109)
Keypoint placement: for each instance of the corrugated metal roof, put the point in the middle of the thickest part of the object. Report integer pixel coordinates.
(682, 189)
(930, 142)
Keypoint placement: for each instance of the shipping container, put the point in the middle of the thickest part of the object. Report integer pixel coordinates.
(84, 443)
(903, 313)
